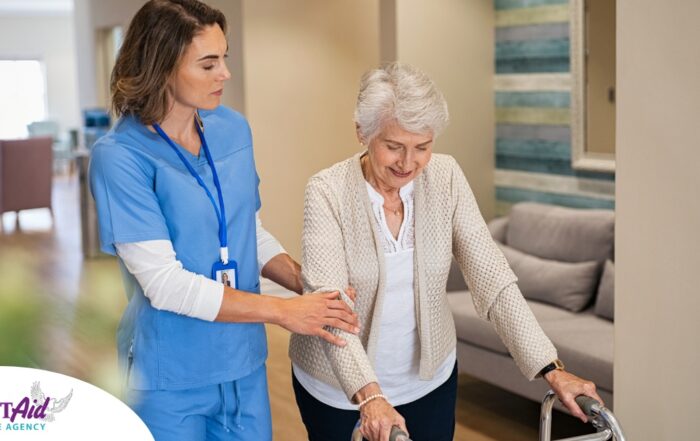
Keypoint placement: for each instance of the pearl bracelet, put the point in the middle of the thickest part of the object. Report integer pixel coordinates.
(370, 398)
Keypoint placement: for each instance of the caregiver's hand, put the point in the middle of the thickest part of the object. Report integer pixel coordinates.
(310, 313)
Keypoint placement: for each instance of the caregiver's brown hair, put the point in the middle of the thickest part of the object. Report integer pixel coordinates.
(157, 38)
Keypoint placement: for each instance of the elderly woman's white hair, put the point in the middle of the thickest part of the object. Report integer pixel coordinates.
(401, 93)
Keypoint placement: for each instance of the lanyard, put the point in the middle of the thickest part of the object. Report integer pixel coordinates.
(220, 214)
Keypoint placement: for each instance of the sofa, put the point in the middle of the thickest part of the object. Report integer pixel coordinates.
(563, 258)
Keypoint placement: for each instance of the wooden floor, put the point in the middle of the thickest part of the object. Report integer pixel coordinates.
(41, 262)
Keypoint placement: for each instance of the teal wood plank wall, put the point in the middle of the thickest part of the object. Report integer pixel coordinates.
(532, 97)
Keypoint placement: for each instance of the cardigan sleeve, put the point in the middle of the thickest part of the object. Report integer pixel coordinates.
(324, 268)
(517, 327)
(493, 285)
(483, 265)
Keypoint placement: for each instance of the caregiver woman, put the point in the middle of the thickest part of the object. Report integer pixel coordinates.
(177, 200)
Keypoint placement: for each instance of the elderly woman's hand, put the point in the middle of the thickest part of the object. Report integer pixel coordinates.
(377, 416)
(568, 386)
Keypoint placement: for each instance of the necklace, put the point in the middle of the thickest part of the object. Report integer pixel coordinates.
(397, 211)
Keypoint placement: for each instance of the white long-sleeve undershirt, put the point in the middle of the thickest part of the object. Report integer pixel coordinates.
(172, 288)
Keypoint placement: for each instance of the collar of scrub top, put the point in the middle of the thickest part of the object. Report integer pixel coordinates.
(220, 210)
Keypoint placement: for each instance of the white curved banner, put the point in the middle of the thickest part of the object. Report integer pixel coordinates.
(42, 405)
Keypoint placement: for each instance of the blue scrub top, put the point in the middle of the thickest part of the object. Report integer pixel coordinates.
(144, 192)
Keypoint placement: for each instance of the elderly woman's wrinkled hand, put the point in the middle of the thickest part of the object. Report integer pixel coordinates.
(568, 386)
(378, 417)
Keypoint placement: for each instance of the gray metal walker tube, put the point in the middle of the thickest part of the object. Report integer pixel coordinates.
(601, 418)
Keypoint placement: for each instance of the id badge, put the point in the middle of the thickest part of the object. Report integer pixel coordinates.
(226, 274)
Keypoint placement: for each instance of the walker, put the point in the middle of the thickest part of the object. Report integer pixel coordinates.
(396, 434)
(602, 419)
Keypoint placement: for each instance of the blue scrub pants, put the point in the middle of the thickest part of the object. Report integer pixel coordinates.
(237, 410)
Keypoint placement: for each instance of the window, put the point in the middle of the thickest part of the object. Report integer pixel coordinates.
(22, 96)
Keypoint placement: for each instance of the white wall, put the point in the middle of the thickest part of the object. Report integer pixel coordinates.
(93, 15)
(49, 39)
(303, 62)
(657, 310)
(453, 42)
(90, 16)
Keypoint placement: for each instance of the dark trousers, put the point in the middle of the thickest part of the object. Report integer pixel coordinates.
(431, 418)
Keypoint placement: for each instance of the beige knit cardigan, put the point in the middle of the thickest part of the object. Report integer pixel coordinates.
(341, 246)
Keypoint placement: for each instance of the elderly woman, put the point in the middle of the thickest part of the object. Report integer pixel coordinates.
(387, 221)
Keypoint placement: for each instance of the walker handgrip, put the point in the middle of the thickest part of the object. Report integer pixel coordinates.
(586, 404)
(395, 435)
(398, 434)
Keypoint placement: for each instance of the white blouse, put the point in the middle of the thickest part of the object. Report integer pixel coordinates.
(396, 370)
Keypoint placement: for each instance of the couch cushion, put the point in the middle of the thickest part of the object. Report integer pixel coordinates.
(559, 233)
(455, 279)
(469, 326)
(498, 228)
(569, 285)
(480, 332)
(605, 301)
(584, 342)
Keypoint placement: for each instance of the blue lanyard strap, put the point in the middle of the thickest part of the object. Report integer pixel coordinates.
(220, 210)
